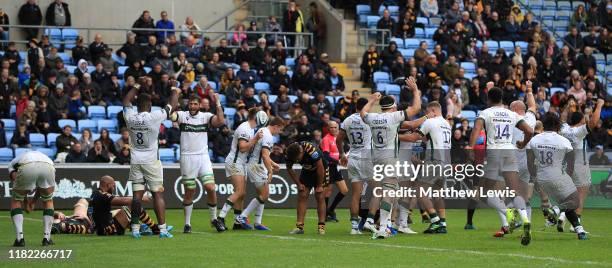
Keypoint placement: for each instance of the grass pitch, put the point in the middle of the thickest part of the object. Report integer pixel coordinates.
(276, 248)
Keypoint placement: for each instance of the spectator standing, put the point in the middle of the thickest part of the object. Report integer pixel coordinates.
(369, 64)
(316, 25)
(290, 18)
(145, 21)
(164, 24)
(58, 14)
(4, 30)
(191, 29)
(429, 8)
(30, 14)
(385, 23)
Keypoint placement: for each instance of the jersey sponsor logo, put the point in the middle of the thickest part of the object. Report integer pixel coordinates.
(193, 128)
(179, 189)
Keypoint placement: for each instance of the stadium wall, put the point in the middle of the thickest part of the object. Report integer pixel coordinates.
(335, 40)
(123, 13)
(78, 181)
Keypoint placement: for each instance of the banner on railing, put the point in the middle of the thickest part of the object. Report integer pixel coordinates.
(74, 182)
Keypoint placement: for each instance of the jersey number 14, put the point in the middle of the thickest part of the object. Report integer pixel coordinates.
(502, 131)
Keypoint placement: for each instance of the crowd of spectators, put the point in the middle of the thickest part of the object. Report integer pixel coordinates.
(460, 37)
(44, 91)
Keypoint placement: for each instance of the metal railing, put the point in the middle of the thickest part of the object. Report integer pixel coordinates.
(380, 37)
(89, 33)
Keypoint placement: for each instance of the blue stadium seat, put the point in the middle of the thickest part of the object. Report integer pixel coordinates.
(393, 10)
(445, 88)
(412, 43)
(272, 98)
(508, 46)
(554, 90)
(292, 98)
(469, 115)
(419, 33)
(469, 67)
(429, 32)
(561, 26)
(108, 124)
(55, 36)
(88, 124)
(121, 71)
(469, 76)
(381, 87)
(213, 85)
(112, 111)
(9, 136)
(70, 68)
(90, 69)
(166, 155)
(524, 45)
(290, 62)
(381, 77)
(229, 116)
(63, 122)
(37, 140)
(96, 112)
(118, 60)
(64, 56)
(371, 21)
(9, 125)
(362, 12)
(331, 101)
(563, 15)
(13, 111)
(147, 69)
(167, 123)
(51, 137)
(549, 5)
(423, 20)
(114, 136)
(262, 86)
(407, 53)
(48, 152)
(290, 73)
(575, 4)
(393, 89)
(398, 41)
(20, 151)
(492, 44)
(548, 15)
(222, 99)
(23, 55)
(6, 155)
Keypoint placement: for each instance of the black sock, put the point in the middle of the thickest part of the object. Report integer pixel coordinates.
(237, 213)
(336, 201)
(135, 211)
(327, 202)
(572, 217)
(471, 209)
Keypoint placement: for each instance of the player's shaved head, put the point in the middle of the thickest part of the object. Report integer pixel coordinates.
(518, 107)
(107, 183)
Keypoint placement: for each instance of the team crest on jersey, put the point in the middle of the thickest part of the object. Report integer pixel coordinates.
(315, 154)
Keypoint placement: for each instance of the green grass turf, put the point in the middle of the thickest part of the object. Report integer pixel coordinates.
(276, 248)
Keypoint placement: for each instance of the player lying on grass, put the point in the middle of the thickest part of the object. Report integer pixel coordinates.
(546, 154)
(314, 174)
(260, 171)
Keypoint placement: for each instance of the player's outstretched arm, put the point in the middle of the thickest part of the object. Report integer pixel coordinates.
(366, 108)
(596, 114)
(340, 145)
(219, 118)
(531, 103)
(127, 99)
(416, 100)
(528, 133)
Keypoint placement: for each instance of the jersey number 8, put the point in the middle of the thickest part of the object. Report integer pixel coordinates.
(139, 138)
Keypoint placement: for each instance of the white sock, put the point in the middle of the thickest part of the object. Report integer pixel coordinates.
(252, 206)
(403, 216)
(225, 209)
(562, 216)
(529, 213)
(579, 229)
(47, 222)
(496, 203)
(18, 223)
(434, 219)
(135, 228)
(384, 219)
(162, 228)
(188, 210)
(259, 213)
(524, 215)
(502, 218)
(212, 209)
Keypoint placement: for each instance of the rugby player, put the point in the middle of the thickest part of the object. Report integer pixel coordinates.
(359, 159)
(332, 154)
(245, 137)
(501, 164)
(195, 161)
(384, 127)
(145, 167)
(260, 171)
(575, 130)
(529, 116)
(314, 174)
(546, 154)
(438, 133)
(28, 171)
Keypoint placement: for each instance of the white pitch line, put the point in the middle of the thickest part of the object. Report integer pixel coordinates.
(25, 218)
(444, 250)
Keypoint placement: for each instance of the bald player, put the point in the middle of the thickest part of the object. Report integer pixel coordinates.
(529, 116)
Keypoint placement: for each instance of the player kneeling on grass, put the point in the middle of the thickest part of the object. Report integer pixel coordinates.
(195, 162)
(260, 170)
(313, 175)
(114, 222)
(29, 171)
(546, 154)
